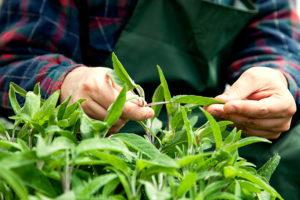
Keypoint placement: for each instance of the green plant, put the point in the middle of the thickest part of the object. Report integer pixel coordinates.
(58, 152)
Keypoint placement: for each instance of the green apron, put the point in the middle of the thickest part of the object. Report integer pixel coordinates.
(186, 37)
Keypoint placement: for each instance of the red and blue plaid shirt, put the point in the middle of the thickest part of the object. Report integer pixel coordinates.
(39, 40)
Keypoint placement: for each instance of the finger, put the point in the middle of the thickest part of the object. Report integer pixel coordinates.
(132, 111)
(265, 108)
(117, 126)
(260, 133)
(94, 110)
(241, 89)
(276, 125)
(215, 109)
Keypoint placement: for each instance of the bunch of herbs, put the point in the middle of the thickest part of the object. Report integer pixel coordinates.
(58, 152)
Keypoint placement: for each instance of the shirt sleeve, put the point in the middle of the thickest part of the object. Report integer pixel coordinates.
(39, 42)
(271, 39)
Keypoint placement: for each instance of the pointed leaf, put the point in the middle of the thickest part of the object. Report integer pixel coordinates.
(115, 110)
(269, 167)
(94, 185)
(187, 182)
(198, 100)
(158, 96)
(246, 141)
(188, 128)
(35, 178)
(121, 72)
(215, 128)
(138, 143)
(164, 84)
(48, 107)
(14, 182)
(13, 99)
(113, 75)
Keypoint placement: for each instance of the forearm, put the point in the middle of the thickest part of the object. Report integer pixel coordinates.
(49, 70)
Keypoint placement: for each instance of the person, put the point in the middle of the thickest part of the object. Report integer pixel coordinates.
(65, 44)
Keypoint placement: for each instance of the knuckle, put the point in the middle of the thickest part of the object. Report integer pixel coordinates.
(263, 111)
(285, 127)
(274, 136)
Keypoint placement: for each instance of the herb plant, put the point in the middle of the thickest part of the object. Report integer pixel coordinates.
(58, 152)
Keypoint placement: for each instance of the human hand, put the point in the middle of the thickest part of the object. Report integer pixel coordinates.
(259, 103)
(95, 85)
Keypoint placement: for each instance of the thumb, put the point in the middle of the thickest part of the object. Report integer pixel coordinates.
(240, 89)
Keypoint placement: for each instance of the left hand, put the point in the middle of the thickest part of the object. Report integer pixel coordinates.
(259, 103)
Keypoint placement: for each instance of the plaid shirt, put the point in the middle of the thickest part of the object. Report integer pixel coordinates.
(39, 41)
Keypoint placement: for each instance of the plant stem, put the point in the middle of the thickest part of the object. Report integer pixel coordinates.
(30, 138)
(62, 181)
(67, 170)
(157, 103)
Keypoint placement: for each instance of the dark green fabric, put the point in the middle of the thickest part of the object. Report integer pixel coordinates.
(184, 37)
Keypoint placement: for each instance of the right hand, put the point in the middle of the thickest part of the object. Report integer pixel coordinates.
(95, 85)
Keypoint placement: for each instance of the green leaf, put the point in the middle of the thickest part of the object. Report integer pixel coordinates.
(113, 75)
(269, 167)
(10, 146)
(188, 128)
(158, 96)
(35, 178)
(223, 195)
(110, 187)
(55, 129)
(36, 89)
(215, 128)
(125, 184)
(102, 144)
(58, 144)
(255, 179)
(18, 89)
(115, 110)
(113, 160)
(32, 104)
(187, 182)
(167, 94)
(153, 193)
(215, 187)
(245, 141)
(14, 182)
(2, 129)
(72, 108)
(121, 72)
(62, 108)
(19, 159)
(162, 160)
(229, 172)
(23, 145)
(69, 195)
(198, 100)
(90, 127)
(13, 99)
(187, 160)
(249, 186)
(47, 108)
(139, 144)
(94, 185)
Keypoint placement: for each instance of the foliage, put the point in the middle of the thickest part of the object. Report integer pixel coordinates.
(58, 152)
